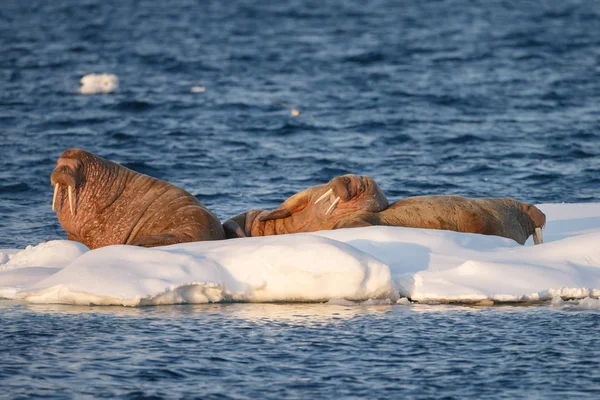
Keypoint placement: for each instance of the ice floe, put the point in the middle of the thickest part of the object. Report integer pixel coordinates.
(369, 266)
(98, 83)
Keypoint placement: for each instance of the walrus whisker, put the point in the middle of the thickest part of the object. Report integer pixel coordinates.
(537, 236)
(54, 197)
(327, 193)
(71, 199)
(332, 206)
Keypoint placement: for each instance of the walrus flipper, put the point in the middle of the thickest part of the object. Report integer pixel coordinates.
(233, 230)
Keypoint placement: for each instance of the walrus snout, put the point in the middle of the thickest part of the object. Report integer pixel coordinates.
(348, 186)
(539, 221)
(342, 188)
(376, 201)
(536, 215)
(63, 175)
(358, 192)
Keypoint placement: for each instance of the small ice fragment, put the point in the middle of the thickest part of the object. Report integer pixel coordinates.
(557, 301)
(403, 301)
(198, 89)
(98, 83)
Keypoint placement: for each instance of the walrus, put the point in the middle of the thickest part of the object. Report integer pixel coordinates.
(488, 216)
(317, 208)
(504, 217)
(101, 203)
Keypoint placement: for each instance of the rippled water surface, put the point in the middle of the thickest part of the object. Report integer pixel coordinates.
(299, 351)
(480, 98)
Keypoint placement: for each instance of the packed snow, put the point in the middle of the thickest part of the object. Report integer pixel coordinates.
(98, 83)
(371, 266)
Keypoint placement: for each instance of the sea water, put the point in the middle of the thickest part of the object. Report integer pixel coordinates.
(434, 97)
(299, 351)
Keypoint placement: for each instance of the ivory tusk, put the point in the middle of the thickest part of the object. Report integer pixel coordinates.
(54, 197)
(537, 236)
(327, 193)
(71, 199)
(332, 206)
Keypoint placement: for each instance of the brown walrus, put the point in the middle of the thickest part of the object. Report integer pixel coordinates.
(314, 209)
(488, 216)
(504, 217)
(110, 204)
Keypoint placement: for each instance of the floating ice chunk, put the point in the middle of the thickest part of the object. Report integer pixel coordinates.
(264, 269)
(344, 266)
(98, 83)
(198, 89)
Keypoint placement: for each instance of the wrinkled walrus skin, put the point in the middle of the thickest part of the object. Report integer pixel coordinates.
(101, 203)
(504, 217)
(314, 209)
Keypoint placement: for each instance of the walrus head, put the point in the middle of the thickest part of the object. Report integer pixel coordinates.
(317, 208)
(68, 174)
(340, 196)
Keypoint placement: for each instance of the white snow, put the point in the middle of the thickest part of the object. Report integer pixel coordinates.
(368, 266)
(98, 83)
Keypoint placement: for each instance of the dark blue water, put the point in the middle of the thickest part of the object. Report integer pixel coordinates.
(479, 98)
(254, 351)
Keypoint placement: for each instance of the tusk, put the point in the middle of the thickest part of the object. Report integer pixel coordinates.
(327, 193)
(54, 197)
(537, 236)
(332, 206)
(71, 199)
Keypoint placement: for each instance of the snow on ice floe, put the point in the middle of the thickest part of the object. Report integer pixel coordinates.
(98, 83)
(372, 266)
(286, 268)
(18, 268)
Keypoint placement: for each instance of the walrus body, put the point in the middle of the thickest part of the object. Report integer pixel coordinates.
(504, 217)
(314, 209)
(488, 216)
(101, 203)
